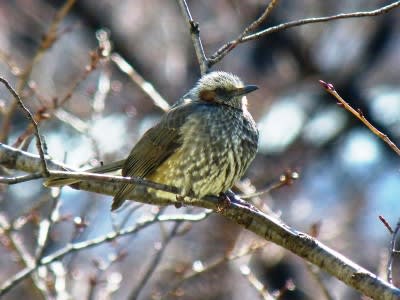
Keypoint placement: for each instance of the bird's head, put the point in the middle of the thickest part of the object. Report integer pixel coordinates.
(222, 88)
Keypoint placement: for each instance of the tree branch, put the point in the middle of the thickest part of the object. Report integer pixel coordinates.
(358, 113)
(49, 38)
(225, 49)
(39, 143)
(195, 34)
(393, 252)
(144, 85)
(250, 218)
(154, 262)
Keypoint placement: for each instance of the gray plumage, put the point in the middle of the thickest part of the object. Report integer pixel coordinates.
(201, 146)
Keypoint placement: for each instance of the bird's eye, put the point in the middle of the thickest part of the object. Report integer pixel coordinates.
(219, 90)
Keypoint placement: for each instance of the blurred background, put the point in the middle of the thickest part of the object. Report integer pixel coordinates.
(92, 112)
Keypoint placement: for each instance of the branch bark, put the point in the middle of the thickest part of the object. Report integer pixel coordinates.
(195, 34)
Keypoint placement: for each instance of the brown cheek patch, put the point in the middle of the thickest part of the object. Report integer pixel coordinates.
(208, 96)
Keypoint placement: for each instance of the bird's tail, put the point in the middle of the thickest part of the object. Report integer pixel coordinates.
(61, 181)
(121, 196)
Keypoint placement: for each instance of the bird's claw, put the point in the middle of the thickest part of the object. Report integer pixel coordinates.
(223, 202)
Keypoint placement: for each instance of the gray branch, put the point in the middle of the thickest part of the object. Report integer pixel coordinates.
(195, 34)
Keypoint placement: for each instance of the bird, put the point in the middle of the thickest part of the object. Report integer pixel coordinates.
(201, 146)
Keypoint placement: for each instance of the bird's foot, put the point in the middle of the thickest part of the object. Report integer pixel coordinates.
(179, 201)
(223, 202)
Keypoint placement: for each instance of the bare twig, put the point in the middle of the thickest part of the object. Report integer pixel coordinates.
(225, 49)
(39, 143)
(70, 248)
(104, 82)
(95, 56)
(212, 266)
(46, 43)
(144, 85)
(357, 113)
(154, 262)
(393, 252)
(387, 225)
(285, 179)
(25, 259)
(46, 224)
(101, 267)
(9, 61)
(316, 274)
(261, 19)
(289, 286)
(258, 285)
(195, 34)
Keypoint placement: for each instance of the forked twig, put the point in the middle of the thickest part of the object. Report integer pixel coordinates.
(39, 143)
(46, 43)
(226, 48)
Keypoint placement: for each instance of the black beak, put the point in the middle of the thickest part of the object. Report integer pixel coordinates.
(245, 90)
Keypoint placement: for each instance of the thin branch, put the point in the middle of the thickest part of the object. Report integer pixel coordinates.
(285, 179)
(144, 85)
(313, 270)
(46, 43)
(154, 262)
(258, 285)
(70, 248)
(358, 113)
(393, 251)
(361, 14)
(195, 34)
(261, 19)
(19, 179)
(95, 57)
(9, 61)
(212, 266)
(104, 81)
(225, 49)
(8, 230)
(316, 274)
(39, 143)
(265, 226)
(46, 224)
(386, 223)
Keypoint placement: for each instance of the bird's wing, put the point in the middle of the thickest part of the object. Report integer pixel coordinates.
(155, 146)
